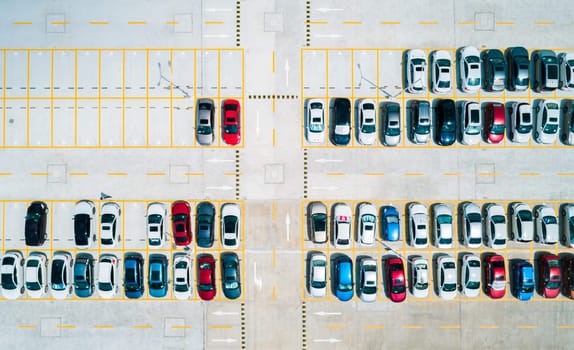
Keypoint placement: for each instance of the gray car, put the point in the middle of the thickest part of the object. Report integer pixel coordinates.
(205, 122)
(420, 122)
(391, 130)
(545, 71)
(517, 65)
(317, 222)
(494, 70)
(204, 224)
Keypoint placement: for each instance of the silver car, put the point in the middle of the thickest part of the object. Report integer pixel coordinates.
(318, 275)
(391, 130)
(521, 122)
(420, 277)
(547, 120)
(442, 225)
(367, 224)
(418, 225)
(546, 225)
(367, 122)
(470, 275)
(470, 123)
(420, 122)
(416, 71)
(472, 225)
(495, 226)
(441, 72)
(566, 64)
(567, 223)
(315, 122)
(204, 129)
(317, 222)
(522, 227)
(367, 289)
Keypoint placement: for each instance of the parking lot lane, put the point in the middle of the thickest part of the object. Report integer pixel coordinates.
(14, 213)
(222, 323)
(232, 75)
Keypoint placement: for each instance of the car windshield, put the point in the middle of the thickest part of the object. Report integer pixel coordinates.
(368, 128)
(422, 129)
(204, 129)
(474, 217)
(419, 241)
(346, 287)
(181, 286)
(473, 81)
(368, 218)
(231, 129)
(105, 286)
(154, 219)
(316, 125)
(82, 223)
(319, 222)
(33, 217)
(525, 215)
(205, 287)
(316, 105)
(393, 129)
(7, 281)
(472, 285)
(449, 287)
(418, 62)
(231, 284)
(498, 219)
(180, 217)
(497, 129)
(550, 128)
(392, 219)
(473, 130)
(444, 219)
(229, 224)
(397, 289)
(549, 220)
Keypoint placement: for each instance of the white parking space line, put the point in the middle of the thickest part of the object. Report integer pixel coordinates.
(111, 123)
(16, 73)
(365, 77)
(314, 72)
(62, 234)
(159, 73)
(64, 123)
(207, 73)
(134, 220)
(135, 73)
(339, 70)
(64, 76)
(40, 123)
(40, 73)
(14, 218)
(159, 119)
(231, 73)
(88, 72)
(88, 125)
(183, 64)
(183, 118)
(135, 122)
(16, 123)
(111, 83)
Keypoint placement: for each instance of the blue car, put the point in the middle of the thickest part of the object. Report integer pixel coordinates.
(157, 275)
(523, 280)
(343, 278)
(84, 275)
(133, 275)
(390, 228)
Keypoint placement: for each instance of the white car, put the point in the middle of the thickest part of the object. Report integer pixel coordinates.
(418, 225)
(367, 129)
(566, 63)
(442, 225)
(110, 224)
(441, 72)
(469, 69)
(472, 225)
(495, 223)
(315, 122)
(470, 275)
(446, 277)
(61, 281)
(521, 122)
(342, 226)
(567, 223)
(12, 275)
(546, 225)
(85, 224)
(522, 225)
(182, 277)
(157, 224)
(318, 275)
(420, 277)
(367, 224)
(317, 221)
(368, 280)
(416, 71)
(470, 123)
(547, 120)
(108, 281)
(36, 275)
(230, 225)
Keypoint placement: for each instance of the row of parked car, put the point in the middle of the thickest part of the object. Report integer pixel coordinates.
(157, 224)
(88, 276)
(489, 224)
(205, 122)
(491, 70)
(467, 122)
(552, 274)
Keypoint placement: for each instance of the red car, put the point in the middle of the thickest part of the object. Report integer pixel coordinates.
(494, 122)
(396, 286)
(231, 122)
(181, 223)
(549, 275)
(495, 276)
(206, 279)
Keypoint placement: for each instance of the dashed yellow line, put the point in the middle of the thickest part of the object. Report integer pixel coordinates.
(5, 174)
(38, 174)
(527, 327)
(103, 326)
(390, 22)
(27, 326)
(21, 23)
(180, 327)
(352, 22)
(412, 327)
(117, 174)
(373, 327)
(59, 23)
(274, 293)
(414, 174)
(488, 327)
(544, 22)
(99, 22)
(172, 22)
(505, 22)
(318, 22)
(193, 174)
(335, 326)
(451, 174)
(79, 174)
(565, 327)
(565, 174)
(67, 326)
(137, 22)
(156, 174)
(529, 174)
(374, 174)
(450, 327)
(466, 22)
(335, 174)
(273, 137)
(213, 22)
(428, 22)
(142, 326)
(488, 174)
(231, 174)
(220, 327)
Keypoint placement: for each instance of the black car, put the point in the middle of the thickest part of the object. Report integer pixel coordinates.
(545, 70)
(133, 275)
(341, 122)
(445, 132)
(494, 70)
(84, 275)
(35, 228)
(204, 224)
(231, 278)
(517, 66)
(567, 127)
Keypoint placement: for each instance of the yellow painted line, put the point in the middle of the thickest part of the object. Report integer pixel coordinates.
(273, 61)
(78, 174)
(527, 327)
(5, 174)
(414, 174)
(451, 174)
(544, 22)
(373, 327)
(28, 326)
(220, 327)
(103, 326)
(172, 22)
(374, 174)
(273, 213)
(274, 294)
(57, 23)
(230, 174)
(390, 22)
(319, 22)
(529, 174)
(39, 174)
(142, 326)
(466, 22)
(505, 22)
(335, 174)
(352, 22)
(335, 326)
(193, 174)
(274, 258)
(137, 22)
(273, 136)
(20, 23)
(181, 327)
(450, 327)
(565, 327)
(488, 327)
(488, 174)
(565, 174)
(117, 174)
(155, 174)
(213, 22)
(69, 326)
(99, 22)
(428, 22)
(412, 327)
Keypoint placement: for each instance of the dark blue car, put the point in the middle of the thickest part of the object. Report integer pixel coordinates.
(133, 275)
(157, 275)
(523, 280)
(231, 281)
(390, 228)
(343, 278)
(84, 275)
(445, 131)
